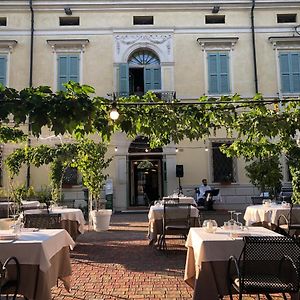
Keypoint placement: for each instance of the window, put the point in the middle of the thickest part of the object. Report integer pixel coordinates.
(289, 63)
(286, 18)
(3, 69)
(143, 20)
(3, 21)
(224, 169)
(70, 177)
(69, 21)
(219, 19)
(218, 72)
(67, 69)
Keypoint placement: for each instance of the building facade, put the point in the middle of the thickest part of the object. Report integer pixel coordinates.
(182, 48)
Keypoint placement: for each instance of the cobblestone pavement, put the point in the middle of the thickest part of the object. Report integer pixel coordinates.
(119, 264)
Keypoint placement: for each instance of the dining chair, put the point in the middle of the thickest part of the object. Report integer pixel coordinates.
(267, 265)
(176, 222)
(9, 281)
(42, 221)
(291, 222)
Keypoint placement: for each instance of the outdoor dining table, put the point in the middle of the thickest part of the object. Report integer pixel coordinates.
(182, 199)
(155, 217)
(72, 219)
(207, 257)
(44, 257)
(267, 213)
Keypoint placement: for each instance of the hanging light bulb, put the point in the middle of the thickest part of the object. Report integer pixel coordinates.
(114, 114)
(116, 149)
(176, 149)
(146, 150)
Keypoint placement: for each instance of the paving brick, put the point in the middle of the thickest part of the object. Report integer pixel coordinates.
(119, 264)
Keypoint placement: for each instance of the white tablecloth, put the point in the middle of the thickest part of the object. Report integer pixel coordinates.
(32, 203)
(184, 199)
(207, 257)
(263, 213)
(36, 248)
(156, 212)
(71, 214)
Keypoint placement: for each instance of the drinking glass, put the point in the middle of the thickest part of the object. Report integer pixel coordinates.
(239, 224)
(231, 214)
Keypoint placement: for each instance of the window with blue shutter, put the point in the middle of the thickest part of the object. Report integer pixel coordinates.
(68, 69)
(152, 78)
(289, 63)
(123, 80)
(3, 69)
(218, 73)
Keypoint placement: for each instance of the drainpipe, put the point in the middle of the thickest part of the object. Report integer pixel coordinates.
(253, 46)
(30, 83)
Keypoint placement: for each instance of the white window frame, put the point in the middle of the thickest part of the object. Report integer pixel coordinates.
(74, 46)
(218, 45)
(284, 44)
(6, 48)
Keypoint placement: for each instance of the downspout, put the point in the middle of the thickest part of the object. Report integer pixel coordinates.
(30, 83)
(253, 46)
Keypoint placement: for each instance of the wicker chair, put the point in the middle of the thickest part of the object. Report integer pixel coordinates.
(9, 284)
(176, 222)
(291, 222)
(267, 264)
(42, 221)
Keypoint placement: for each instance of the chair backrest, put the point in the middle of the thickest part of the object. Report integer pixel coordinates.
(9, 282)
(42, 221)
(264, 255)
(178, 213)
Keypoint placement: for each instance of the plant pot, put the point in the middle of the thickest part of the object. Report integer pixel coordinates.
(101, 219)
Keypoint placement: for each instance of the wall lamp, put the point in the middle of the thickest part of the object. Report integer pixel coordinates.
(114, 114)
(215, 9)
(68, 11)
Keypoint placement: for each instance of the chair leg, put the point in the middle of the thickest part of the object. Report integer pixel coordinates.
(268, 296)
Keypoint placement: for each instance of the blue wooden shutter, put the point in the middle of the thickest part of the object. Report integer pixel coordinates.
(212, 64)
(285, 72)
(218, 73)
(68, 69)
(223, 73)
(152, 78)
(62, 72)
(295, 71)
(74, 68)
(123, 80)
(3, 64)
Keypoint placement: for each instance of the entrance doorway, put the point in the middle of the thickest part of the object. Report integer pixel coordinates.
(146, 173)
(146, 180)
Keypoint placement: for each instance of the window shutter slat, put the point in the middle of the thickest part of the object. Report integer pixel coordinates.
(123, 80)
(62, 72)
(3, 65)
(74, 68)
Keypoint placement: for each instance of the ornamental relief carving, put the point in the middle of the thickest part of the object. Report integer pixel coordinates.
(161, 42)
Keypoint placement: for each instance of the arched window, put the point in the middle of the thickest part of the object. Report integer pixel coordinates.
(143, 57)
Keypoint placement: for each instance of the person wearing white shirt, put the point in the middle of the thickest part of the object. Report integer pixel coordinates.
(201, 196)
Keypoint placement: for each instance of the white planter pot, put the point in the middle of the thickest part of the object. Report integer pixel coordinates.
(101, 219)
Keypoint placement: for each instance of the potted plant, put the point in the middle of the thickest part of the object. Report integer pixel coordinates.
(91, 163)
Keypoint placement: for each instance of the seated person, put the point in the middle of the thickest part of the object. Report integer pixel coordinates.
(201, 196)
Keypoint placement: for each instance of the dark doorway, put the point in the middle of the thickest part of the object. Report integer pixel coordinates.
(136, 81)
(146, 180)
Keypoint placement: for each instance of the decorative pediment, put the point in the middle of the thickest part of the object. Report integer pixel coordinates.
(7, 45)
(285, 42)
(68, 44)
(160, 43)
(226, 43)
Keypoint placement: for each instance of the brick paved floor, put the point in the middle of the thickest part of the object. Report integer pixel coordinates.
(119, 264)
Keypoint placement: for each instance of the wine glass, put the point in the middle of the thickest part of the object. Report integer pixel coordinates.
(239, 224)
